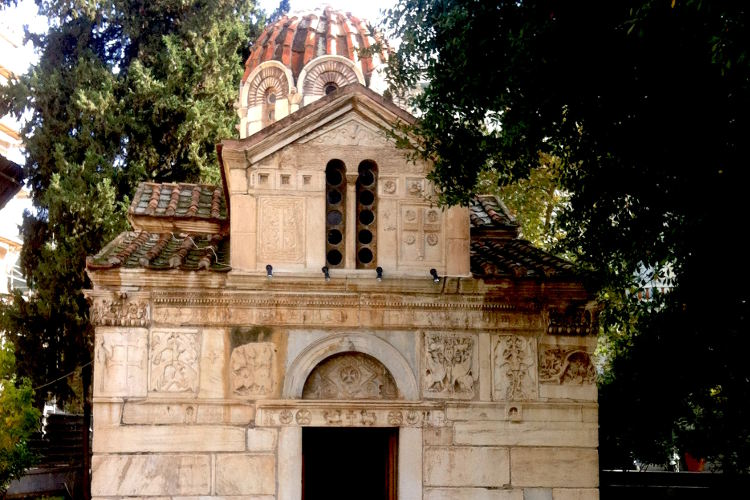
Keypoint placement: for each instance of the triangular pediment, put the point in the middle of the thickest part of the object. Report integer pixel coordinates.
(354, 115)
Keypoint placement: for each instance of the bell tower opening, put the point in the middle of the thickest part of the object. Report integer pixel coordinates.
(364, 460)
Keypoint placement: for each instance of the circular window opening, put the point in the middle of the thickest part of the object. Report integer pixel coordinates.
(271, 97)
(334, 197)
(334, 237)
(366, 197)
(334, 257)
(366, 217)
(334, 218)
(364, 236)
(366, 178)
(334, 177)
(364, 255)
(330, 87)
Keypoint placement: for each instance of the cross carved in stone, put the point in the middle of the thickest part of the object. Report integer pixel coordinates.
(421, 227)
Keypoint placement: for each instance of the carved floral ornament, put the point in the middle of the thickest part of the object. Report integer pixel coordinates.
(119, 310)
(566, 365)
(515, 370)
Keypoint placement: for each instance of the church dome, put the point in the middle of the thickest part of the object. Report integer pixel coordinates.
(297, 39)
(301, 58)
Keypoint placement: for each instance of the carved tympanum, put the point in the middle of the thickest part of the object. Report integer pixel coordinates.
(252, 369)
(449, 366)
(174, 361)
(515, 368)
(571, 365)
(350, 375)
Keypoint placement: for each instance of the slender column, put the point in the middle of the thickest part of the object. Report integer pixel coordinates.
(351, 221)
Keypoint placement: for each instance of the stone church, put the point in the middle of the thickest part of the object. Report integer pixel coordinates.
(318, 328)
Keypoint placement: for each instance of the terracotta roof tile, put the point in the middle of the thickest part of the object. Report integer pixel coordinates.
(197, 201)
(296, 39)
(154, 251)
(495, 258)
(487, 212)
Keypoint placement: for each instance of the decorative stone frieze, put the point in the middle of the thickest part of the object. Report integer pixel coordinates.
(175, 356)
(515, 369)
(450, 366)
(252, 369)
(350, 376)
(327, 415)
(565, 365)
(572, 321)
(119, 309)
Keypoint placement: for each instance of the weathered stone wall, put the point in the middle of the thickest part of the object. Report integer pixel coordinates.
(202, 394)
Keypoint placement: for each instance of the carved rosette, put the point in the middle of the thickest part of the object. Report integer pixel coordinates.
(120, 310)
(350, 376)
(421, 234)
(566, 365)
(515, 369)
(252, 368)
(175, 357)
(449, 366)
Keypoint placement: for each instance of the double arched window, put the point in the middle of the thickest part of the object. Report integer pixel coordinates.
(362, 241)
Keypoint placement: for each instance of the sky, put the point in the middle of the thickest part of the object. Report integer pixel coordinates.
(369, 10)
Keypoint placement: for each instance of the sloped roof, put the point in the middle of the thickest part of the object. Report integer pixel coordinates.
(495, 258)
(498, 252)
(179, 208)
(164, 251)
(488, 213)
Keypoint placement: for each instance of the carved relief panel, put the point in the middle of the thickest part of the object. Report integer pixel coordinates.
(351, 133)
(566, 365)
(175, 355)
(121, 367)
(282, 235)
(450, 366)
(119, 310)
(350, 375)
(252, 369)
(421, 235)
(515, 369)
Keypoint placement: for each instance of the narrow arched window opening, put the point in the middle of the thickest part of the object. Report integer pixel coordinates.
(335, 213)
(269, 106)
(366, 235)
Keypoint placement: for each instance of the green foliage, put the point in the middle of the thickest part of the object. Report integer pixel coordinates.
(646, 105)
(535, 201)
(18, 420)
(123, 92)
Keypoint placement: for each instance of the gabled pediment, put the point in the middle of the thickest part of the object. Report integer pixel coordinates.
(373, 115)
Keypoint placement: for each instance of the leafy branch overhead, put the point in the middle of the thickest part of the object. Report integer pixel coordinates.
(645, 106)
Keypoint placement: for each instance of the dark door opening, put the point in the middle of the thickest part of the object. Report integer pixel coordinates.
(349, 463)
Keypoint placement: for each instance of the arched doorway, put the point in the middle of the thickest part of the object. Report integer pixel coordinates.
(364, 458)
